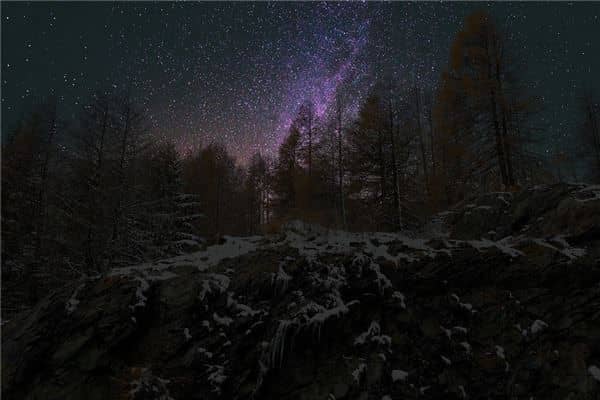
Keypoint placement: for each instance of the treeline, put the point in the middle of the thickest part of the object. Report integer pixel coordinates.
(100, 191)
(410, 152)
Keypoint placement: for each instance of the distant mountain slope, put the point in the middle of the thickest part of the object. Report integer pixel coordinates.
(500, 300)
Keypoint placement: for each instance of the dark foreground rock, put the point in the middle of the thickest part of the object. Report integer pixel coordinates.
(506, 307)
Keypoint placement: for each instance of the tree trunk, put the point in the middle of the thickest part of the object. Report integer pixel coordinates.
(495, 121)
(341, 166)
(595, 134)
(121, 175)
(94, 190)
(310, 143)
(422, 142)
(507, 150)
(396, 188)
(431, 143)
(42, 193)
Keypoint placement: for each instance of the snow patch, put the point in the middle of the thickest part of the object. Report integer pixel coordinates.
(373, 334)
(358, 372)
(205, 352)
(73, 302)
(500, 352)
(280, 280)
(399, 375)
(594, 372)
(223, 321)
(216, 377)
(537, 326)
(504, 245)
(148, 383)
(139, 293)
(399, 296)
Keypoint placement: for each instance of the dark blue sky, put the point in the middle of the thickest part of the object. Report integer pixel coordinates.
(237, 72)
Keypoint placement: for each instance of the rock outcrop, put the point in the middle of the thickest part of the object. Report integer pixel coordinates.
(505, 305)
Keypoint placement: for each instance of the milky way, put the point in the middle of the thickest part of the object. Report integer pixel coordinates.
(237, 72)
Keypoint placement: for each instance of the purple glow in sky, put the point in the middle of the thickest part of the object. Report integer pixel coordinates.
(323, 76)
(237, 72)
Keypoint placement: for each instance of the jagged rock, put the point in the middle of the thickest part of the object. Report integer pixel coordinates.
(562, 209)
(507, 306)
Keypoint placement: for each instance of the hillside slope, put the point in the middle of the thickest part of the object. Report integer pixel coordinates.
(500, 300)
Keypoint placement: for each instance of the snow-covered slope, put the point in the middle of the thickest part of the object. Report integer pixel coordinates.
(319, 314)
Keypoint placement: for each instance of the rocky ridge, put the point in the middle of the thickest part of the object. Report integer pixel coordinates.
(498, 299)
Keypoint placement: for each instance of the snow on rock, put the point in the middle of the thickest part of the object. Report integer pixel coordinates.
(223, 321)
(149, 385)
(466, 346)
(358, 372)
(382, 281)
(500, 352)
(505, 246)
(537, 326)
(340, 309)
(448, 332)
(216, 377)
(213, 283)
(217, 312)
(233, 247)
(158, 271)
(375, 244)
(73, 302)
(460, 329)
(139, 293)
(399, 375)
(594, 372)
(374, 329)
(373, 334)
(243, 310)
(204, 352)
(206, 324)
(399, 296)
(466, 306)
(203, 260)
(524, 332)
(565, 249)
(281, 279)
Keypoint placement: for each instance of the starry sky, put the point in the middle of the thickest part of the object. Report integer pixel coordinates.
(237, 72)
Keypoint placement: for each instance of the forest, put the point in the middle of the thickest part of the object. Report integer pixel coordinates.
(80, 196)
(300, 200)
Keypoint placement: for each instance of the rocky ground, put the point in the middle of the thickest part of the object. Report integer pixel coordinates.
(498, 299)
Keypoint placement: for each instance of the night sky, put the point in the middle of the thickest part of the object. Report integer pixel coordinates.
(237, 72)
